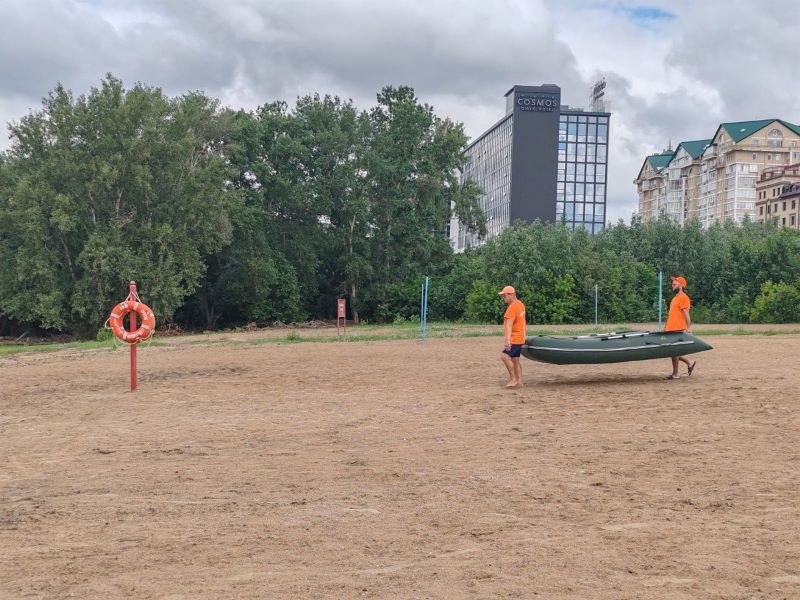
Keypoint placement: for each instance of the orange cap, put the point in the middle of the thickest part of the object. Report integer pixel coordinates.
(507, 290)
(680, 280)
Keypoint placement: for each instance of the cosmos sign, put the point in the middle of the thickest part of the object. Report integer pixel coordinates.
(537, 102)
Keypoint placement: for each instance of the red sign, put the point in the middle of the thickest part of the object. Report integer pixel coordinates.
(340, 314)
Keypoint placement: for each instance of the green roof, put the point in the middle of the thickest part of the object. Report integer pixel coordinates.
(659, 161)
(693, 148)
(793, 127)
(741, 129)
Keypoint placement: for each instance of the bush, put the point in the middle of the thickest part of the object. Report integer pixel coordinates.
(483, 303)
(777, 303)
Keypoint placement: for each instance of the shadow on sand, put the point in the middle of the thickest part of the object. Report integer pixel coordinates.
(610, 379)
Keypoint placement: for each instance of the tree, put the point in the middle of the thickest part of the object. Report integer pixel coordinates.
(410, 167)
(108, 187)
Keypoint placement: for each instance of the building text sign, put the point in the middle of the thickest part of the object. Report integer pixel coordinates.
(537, 102)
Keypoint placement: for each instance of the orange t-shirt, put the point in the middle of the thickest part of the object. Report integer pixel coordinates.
(516, 313)
(677, 320)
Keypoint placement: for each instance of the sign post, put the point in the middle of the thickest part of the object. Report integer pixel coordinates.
(341, 315)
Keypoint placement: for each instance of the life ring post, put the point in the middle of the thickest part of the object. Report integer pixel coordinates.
(141, 326)
(132, 328)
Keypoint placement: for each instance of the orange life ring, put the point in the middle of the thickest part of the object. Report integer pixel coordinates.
(145, 314)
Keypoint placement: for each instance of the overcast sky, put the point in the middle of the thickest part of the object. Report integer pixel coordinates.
(675, 69)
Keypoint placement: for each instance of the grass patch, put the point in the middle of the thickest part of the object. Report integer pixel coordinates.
(390, 332)
(9, 349)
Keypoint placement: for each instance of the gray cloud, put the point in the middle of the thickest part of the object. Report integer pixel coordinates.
(672, 73)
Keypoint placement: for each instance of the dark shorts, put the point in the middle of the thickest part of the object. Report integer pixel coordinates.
(514, 351)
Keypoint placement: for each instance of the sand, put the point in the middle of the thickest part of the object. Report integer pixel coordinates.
(399, 469)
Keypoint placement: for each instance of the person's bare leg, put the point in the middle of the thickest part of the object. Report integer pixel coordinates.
(675, 364)
(509, 364)
(518, 370)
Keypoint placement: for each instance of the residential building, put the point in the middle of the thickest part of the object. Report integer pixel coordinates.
(777, 192)
(715, 180)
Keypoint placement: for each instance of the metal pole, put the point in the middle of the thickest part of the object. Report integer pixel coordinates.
(422, 312)
(660, 296)
(427, 288)
(132, 327)
(425, 309)
(595, 305)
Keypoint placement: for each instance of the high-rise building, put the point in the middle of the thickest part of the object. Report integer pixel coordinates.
(714, 180)
(542, 160)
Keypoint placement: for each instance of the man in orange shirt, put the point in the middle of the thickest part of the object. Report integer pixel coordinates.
(514, 334)
(679, 320)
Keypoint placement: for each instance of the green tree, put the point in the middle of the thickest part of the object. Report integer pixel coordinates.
(108, 187)
(410, 167)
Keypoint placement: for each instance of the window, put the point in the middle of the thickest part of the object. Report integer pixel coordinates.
(793, 220)
(783, 221)
(775, 138)
(793, 201)
(760, 210)
(784, 206)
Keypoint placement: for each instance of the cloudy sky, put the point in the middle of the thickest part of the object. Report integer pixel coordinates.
(675, 69)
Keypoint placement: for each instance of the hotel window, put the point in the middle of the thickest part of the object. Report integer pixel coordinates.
(792, 219)
(793, 204)
(784, 206)
(783, 221)
(761, 210)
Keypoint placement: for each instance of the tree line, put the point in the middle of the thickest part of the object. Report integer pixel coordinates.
(225, 217)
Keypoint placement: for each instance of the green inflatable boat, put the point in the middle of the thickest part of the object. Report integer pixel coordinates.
(611, 347)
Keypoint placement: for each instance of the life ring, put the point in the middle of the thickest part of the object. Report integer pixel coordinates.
(145, 314)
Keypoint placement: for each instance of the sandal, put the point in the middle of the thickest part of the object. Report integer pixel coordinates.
(672, 377)
(691, 367)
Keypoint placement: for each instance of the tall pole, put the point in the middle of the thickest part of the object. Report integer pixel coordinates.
(422, 312)
(660, 296)
(595, 305)
(133, 297)
(424, 309)
(427, 286)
